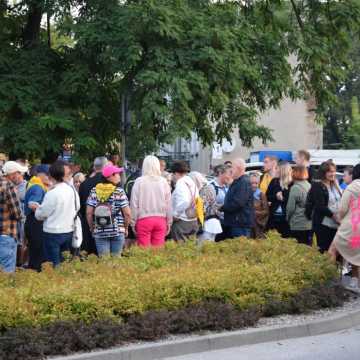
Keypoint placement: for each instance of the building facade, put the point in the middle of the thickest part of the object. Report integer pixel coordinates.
(293, 127)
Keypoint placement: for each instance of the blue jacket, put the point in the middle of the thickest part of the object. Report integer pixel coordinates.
(239, 204)
(36, 194)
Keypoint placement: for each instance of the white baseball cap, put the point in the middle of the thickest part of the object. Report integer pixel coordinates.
(11, 167)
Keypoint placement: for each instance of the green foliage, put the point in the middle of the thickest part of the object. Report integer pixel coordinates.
(244, 273)
(192, 65)
(341, 118)
(352, 135)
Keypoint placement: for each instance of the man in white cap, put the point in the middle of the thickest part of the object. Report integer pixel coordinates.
(10, 214)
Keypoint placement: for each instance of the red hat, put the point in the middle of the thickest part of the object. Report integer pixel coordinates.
(110, 170)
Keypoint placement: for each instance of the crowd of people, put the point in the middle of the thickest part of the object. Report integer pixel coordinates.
(47, 214)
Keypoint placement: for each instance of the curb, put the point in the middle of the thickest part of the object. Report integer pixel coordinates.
(204, 343)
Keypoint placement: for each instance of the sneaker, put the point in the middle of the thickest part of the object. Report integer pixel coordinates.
(353, 285)
(346, 270)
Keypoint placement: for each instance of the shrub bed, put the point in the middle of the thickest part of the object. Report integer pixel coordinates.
(148, 294)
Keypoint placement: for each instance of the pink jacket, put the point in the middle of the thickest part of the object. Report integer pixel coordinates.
(150, 196)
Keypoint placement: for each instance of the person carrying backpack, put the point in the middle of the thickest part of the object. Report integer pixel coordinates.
(211, 225)
(108, 213)
(185, 219)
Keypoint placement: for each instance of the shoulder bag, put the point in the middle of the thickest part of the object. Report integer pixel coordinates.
(77, 234)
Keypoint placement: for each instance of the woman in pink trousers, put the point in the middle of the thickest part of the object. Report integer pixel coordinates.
(151, 205)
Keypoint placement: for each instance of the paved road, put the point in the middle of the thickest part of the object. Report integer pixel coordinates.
(344, 345)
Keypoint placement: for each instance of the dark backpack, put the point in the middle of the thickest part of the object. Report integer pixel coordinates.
(309, 205)
(128, 187)
(129, 184)
(216, 187)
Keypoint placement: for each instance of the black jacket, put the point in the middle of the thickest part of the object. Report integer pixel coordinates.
(239, 204)
(84, 191)
(320, 199)
(312, 174)
(273, 189)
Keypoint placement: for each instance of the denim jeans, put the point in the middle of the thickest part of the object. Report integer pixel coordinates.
(8, 247)
(55, 245)
(110, 245)
(238, 232)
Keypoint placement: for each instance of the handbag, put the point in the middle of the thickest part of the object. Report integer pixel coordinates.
(77, 234)
(191, 212)
(354, 241)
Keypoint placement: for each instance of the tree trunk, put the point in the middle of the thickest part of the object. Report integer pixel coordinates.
(31, 34)
(3, 7)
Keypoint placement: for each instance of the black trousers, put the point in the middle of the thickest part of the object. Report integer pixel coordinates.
(280, 224)
(88, 243)
(302, 236)
(324, 237)
(35, 235)
(224, 235)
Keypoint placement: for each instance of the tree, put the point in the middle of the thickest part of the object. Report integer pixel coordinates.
(187, 65)
(352, 135)
(341, 119)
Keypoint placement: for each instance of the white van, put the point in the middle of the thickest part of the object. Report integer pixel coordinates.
(341, 158)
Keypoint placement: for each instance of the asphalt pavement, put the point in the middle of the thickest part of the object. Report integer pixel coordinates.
(343, 345)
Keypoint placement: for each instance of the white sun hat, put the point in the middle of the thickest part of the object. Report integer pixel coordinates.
(11, 167)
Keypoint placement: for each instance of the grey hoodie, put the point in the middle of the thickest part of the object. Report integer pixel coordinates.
(295, 209)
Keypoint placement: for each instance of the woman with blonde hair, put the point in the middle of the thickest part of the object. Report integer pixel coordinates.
(212, 225)
(151, 205)
(278, 195)
(78, 179)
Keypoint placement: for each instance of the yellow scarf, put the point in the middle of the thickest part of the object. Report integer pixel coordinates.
(265, 182)
(104, 191)
(35, 180)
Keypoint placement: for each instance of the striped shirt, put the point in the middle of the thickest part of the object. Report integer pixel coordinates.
(10, 209)
(118, 200)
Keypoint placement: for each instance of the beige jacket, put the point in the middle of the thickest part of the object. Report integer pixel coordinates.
(351, 192)
(150, 196)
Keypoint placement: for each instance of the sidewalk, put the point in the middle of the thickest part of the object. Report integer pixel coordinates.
(343, 345)
(204, 343)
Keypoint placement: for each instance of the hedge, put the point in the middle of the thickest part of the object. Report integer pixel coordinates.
(63, 338)
(149, 294)
(243, 273)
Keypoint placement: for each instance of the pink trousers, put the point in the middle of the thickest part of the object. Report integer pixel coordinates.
(151, 231)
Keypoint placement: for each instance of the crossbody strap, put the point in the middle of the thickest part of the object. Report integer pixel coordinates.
(191, 195)
(75, 204)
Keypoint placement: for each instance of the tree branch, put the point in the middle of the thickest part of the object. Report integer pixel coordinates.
(31, 33)
(15, 6)
(297, 14)
(48, 28)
